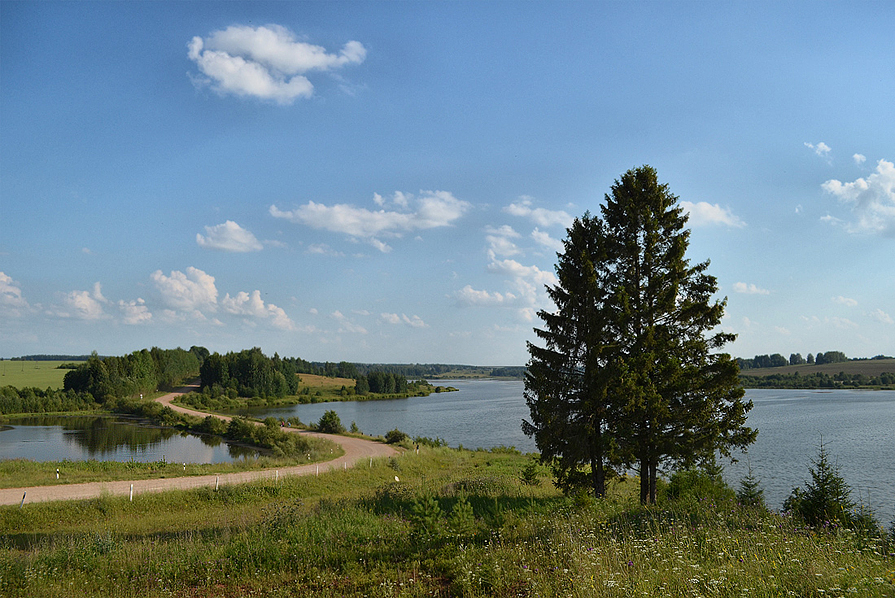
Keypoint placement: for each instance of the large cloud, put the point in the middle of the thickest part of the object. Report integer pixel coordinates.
(85, 305)
(253, 306)
(228, 236)
(706, 214)
(432, 209)
(872, 200)
(189, 292)
(266, 62)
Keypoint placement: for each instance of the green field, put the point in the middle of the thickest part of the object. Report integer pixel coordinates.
(32, 374)
(868, 367)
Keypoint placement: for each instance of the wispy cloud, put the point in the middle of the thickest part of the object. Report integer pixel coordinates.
(228, 236)
(846, 301)
(872, 200)
(859, 159)
(544, 239)
(432, 209)
(706, 214)
(266, 62)
(881, 317)
(134, 312)
(413, 322)
(749, 289)
(821, 149)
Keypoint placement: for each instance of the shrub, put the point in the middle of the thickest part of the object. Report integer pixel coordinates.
(395, 436)
(700, 484)
(330, 423)
(826, 500)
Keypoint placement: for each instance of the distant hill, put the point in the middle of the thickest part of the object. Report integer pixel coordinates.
(52, 358)
(867, 367)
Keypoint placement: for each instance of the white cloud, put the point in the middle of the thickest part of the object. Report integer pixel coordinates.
(244, 304)
(228, 236)
(470, 296)
(706, 214)
(266, 62)
(840, 323)
(499, 241)
(12, 302)
(85, 305)
(413, 322)
(547, 241)
(190, 291)
(749, 289)
(324, 249)
(134, 312)
(872, 200)
(846, 301)
(539, 216)
(433, 209)
(821, 149)
(346, 325)
(881, 316)
(859, 159)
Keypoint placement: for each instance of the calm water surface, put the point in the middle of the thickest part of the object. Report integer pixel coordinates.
(857, 428)
(79, 438)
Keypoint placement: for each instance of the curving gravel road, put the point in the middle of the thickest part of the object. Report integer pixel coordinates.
(356, 450)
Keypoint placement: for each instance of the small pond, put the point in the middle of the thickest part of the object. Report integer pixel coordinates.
(110, 438)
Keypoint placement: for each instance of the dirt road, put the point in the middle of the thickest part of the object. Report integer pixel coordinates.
(356, 450)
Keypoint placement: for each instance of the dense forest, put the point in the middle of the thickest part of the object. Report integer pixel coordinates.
(249, 373)
(142, 371)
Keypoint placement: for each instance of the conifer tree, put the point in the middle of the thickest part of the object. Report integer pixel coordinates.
(630, 374)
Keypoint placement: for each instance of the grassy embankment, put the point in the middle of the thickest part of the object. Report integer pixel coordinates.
(457, 523)
(311, 389)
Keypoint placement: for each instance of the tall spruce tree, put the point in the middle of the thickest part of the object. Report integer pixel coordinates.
(628, 376)
(566, 381)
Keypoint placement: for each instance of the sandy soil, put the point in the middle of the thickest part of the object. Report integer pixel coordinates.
(357, 452)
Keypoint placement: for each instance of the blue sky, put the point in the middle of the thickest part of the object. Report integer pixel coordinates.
(389, 182)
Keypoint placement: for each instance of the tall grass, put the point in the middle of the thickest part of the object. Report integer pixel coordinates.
(454, 523)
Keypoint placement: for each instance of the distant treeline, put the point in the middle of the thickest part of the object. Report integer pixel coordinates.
(139, 372)
(52, 358)
(818, 380)
(777, 360)
(249, 373)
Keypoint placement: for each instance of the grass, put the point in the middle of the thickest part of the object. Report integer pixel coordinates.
(454, 523)
(32, 374)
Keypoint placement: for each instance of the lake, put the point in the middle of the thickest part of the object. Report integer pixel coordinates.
(857, 428)
(81, 438)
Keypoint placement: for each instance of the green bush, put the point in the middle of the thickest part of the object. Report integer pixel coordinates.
(330, 423)
(395, 436)
(698, 484)
(825, 501)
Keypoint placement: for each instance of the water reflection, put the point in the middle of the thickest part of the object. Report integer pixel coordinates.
(104, 438)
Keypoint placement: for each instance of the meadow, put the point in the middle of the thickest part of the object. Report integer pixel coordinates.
(442, 522)
(32, 374)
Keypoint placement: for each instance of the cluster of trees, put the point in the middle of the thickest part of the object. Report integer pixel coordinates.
(818, 380)
(142, 371)
(250, 374)
(628, 375)
(35, 400)
(777, 360)
(381, 383)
